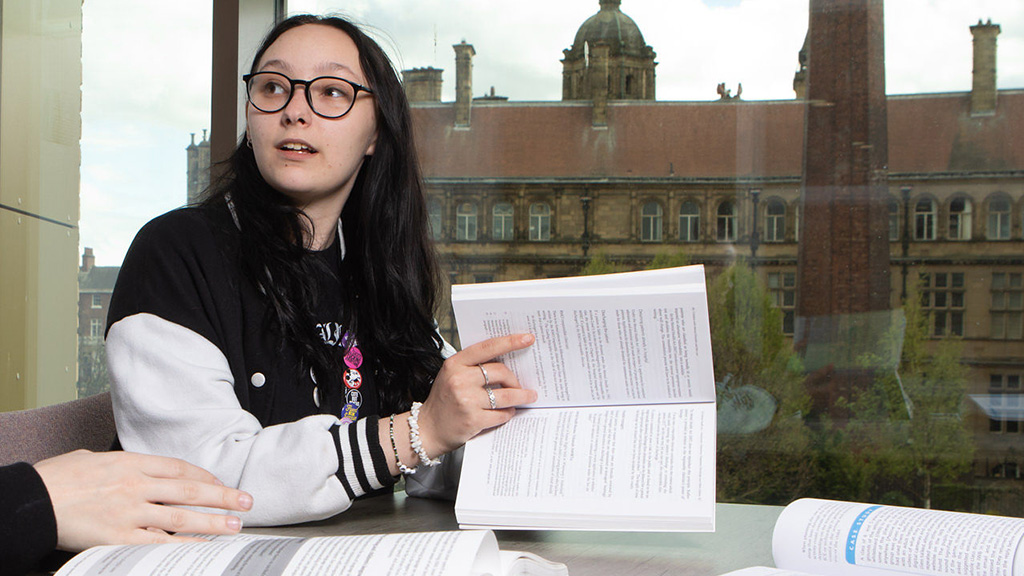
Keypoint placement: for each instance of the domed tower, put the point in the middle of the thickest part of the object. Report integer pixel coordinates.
(629, 67)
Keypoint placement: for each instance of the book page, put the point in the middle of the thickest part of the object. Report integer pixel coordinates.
(683, 275)
(636, 468)
(602, 346)
(457, 553)
(765, 571)
(852, 539)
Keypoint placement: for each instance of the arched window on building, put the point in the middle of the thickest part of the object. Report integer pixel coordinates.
(435, 218)
(540, 222)
(960, 219)
(725, 229)
(465, 222)
(894, 220)
(924, 219)
(998, 219)
(650, 222)
(775, 221)
(689, 222)
(501, 221)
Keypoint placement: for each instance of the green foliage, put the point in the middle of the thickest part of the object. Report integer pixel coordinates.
(677, 259)
(771, 466)
(911, 420)
(600, 264)
(93, 377)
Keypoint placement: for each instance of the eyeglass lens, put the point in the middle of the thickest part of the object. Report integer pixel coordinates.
(328, 96)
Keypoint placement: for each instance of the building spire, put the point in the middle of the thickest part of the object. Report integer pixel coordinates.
(610, 4)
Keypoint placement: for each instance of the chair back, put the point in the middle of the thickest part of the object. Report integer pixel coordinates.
(40, 433)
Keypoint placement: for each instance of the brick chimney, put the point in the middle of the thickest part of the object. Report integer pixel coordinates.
(88, 260)
(597, 72)
(983, 88)
(422, 84)
(463, 82)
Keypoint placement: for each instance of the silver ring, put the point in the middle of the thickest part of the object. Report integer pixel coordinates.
(490, 396)
(487, 380)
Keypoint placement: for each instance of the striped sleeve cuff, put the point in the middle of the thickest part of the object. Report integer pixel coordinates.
(362, 467)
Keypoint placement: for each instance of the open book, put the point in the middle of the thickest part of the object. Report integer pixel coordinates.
(622, 436)
(824, 537)
(459, 553)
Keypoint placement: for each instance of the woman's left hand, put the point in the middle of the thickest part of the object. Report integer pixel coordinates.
(460, 403)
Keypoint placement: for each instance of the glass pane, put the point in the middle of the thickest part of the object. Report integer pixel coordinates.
(667, 139)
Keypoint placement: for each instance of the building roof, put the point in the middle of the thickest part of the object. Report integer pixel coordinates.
(98, 279)
(928, 133)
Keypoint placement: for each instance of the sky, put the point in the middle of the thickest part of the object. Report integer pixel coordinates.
(145, 89)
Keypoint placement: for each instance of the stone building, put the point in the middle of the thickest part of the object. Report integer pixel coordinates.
(522, 190)
(198, 168)
(95, 287)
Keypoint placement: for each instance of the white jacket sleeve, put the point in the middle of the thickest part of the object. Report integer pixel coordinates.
(173, 395)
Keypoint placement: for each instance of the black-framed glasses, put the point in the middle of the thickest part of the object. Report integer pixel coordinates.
(327, 96)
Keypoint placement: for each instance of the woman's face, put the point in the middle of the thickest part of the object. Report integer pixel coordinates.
(313, 159)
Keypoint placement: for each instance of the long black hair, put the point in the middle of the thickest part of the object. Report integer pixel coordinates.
(390, 268)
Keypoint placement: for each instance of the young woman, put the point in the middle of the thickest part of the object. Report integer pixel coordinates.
(280, 335)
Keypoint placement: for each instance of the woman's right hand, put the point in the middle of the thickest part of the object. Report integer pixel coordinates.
(127, 498)
(459, 407)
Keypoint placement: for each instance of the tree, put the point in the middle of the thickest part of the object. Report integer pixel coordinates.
(679, 258)
(757, 370)
(599, 264)
(911, 419)
(93, 377)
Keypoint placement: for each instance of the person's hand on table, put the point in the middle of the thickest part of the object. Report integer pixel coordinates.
(128, 498)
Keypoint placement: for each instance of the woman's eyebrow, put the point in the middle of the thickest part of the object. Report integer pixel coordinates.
(275, 63)
(333, 67)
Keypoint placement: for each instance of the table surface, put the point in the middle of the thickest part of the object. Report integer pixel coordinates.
(742, 538)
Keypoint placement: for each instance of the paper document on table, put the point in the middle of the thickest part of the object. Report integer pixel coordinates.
(456, 553)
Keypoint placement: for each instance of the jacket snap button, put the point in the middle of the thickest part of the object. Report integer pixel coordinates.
(258, 379)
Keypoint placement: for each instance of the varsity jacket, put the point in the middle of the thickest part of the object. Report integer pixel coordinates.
(196, 374)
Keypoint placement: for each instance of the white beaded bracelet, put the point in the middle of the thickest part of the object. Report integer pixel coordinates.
(414, 437)
(401, 467)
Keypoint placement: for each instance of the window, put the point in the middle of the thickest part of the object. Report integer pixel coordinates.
(894, 220)
(689, 222)
(725, 230)
(540, 222)
(435, 218)
(942, 295)
(924, 220)
(960, 219)
(483, 278)
(1004, 403)
(96, 328)
(465, 222)
(775, 221)
(998, 219)
(650, 222)
(501, 222)
(782, 288)
(1007, 306)
(97, 301)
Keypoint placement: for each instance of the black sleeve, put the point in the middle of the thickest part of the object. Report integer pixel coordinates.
(28, 528)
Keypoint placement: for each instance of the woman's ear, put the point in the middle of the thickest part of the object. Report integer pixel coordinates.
(372, 145)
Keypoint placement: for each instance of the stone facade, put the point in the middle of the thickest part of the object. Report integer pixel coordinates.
(529, 190)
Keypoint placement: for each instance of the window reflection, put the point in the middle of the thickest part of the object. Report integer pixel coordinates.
(971, 291)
